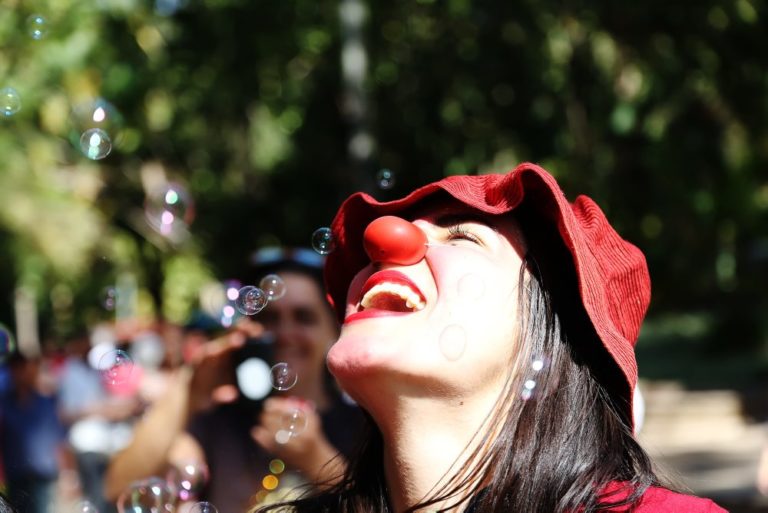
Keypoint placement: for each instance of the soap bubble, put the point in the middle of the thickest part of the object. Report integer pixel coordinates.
(7, 342)
(152, 495)
(528, 389)
(453, 341)
(10, 101)
(115, 366)
(533, 383)
(273, 286)
(251, 300)
(95, 143)
(169, 209)
(385, 179)
(37, 26)
(95, 114)
(109, 298)
(283, 376)
(295, 422)
(188, 479)
(323, 241)
(203, 507)
(85, 507)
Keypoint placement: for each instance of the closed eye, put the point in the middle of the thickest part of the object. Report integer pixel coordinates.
(460, 232)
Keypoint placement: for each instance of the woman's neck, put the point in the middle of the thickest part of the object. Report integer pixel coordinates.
(426, 442)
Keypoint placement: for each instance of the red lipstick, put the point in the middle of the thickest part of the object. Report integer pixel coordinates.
(387, 276)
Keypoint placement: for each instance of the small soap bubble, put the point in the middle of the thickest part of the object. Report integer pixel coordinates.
(273, 286)
(85, 507)
(95, 114)
(531, 386)
(203, 507)
(283, 377)
(37, 26)
(528, 389)
(169, 209)
(10, 101)
(323, 241)
(95, 143)
(188, 479)
(109, 298)
(152, 495)
(295, 422)
(251, 300)
(471, 287)
(7, 342)
(115, 366)
(385, 179)
(453, 341)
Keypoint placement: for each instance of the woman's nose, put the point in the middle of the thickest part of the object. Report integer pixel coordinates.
(394, 240)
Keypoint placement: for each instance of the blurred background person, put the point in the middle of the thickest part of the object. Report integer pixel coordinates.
(95, 417)
(31, 437)
(204, 420)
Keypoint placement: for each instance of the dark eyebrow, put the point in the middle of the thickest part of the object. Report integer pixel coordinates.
(458, 218)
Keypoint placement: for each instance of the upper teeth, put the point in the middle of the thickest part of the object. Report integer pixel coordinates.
(411, 298)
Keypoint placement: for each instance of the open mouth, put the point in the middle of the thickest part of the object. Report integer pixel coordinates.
(391, 291)
(393, 297)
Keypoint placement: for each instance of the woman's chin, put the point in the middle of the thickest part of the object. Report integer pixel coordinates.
(361, 356)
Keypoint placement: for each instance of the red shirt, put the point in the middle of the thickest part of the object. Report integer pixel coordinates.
(654, 500)
(661, 500)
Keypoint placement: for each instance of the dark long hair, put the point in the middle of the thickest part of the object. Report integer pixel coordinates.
(565, 444)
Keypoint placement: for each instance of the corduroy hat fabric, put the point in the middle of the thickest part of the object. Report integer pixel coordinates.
(614, 284)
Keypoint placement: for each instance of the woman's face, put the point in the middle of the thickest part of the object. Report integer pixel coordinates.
(446, 323)
(303, 326)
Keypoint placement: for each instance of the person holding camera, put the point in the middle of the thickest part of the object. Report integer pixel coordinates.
(205, 418)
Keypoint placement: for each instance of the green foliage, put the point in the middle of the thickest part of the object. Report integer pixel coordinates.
(655, 109)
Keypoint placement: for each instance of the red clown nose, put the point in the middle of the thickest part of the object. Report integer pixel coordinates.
(394, 240)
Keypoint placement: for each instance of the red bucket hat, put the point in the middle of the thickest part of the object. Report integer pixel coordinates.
(614, 284)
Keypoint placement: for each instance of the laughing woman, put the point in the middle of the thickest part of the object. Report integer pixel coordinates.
(488, 332)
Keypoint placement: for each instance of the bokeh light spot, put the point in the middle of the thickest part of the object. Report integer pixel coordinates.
(270, 482)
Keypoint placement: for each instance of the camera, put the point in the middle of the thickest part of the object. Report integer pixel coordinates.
(251, 365)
